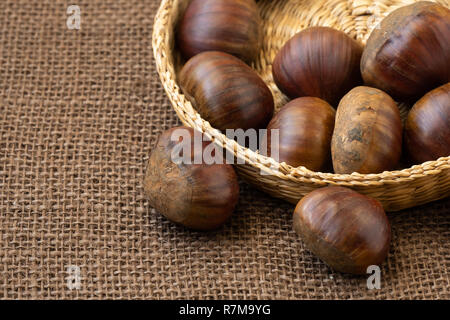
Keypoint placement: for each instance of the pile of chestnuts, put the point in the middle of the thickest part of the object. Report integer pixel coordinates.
(343, 117)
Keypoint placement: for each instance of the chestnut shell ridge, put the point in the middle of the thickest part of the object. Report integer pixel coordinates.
(198, 196)
(318, 62)
(345, 229)
(231, 26)
(427, 128)
(409, 53)
(226, 92)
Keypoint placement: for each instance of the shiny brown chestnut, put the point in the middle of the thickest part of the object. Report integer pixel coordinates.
(345, 229)
(427, 128)
(197, 195)
(409, 53)
(226, 92)
(367, 135)
(305, 126)
(231, 26)
(318, 62)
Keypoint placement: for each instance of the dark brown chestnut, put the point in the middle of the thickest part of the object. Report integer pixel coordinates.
(318, 62)
(409, 53)
(427, 128)
(197, 195)
(305, 128)
(345, 229)
(231, 26)
(226, 92)
(367, 135)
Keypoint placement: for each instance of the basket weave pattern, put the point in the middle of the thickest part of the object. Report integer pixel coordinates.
(396, 190)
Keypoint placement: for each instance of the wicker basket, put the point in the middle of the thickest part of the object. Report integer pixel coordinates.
(281, 20)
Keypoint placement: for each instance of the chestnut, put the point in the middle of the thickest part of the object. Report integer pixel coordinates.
(367, 136)
(409, 53)
(427, 127)
(305, 128)
(347, 230)
(318, 62)
(197, 195)
(226, 92)
(231, 26)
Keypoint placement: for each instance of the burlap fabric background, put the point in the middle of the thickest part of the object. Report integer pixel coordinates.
(80, 111)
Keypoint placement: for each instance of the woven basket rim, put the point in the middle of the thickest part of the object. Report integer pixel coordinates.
(161, 44)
